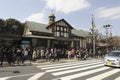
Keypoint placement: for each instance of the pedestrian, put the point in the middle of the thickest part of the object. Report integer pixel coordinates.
(69, 54)
(73, 51)
(34, 55)
(47, 54)
(42, 53)
(30, 54)
(4, 54)
(18, 55)
(54, 54)
(10, 56)
(58, 54)
(24, 55)
(1, 56)
(78, 54)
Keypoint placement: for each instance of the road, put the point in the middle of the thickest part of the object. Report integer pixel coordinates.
(93, 69)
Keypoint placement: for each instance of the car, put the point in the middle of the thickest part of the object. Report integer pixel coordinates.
(112, 58)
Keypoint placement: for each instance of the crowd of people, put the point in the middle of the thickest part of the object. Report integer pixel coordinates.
(17, 55)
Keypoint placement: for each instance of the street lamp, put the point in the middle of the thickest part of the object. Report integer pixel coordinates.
(106, 28)
(94, 40)
(93, 35)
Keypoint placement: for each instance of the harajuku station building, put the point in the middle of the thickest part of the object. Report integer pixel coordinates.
(58, 34)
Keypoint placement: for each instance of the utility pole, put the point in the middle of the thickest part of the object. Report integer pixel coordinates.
(107, 32)
(93, 35)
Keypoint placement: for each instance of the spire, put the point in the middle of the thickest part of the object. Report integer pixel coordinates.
(93, 22)
(51, 18)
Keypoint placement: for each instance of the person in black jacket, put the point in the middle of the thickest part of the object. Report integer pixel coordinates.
(1, 56)
(10, 56)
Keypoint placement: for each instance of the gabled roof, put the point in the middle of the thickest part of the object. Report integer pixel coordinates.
(59, 21)
(40, 27)
(34, 26)
(80, 33)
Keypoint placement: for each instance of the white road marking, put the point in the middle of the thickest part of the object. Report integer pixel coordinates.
(72, 67)
(6, 78)
(104, 75)
(74, 70)
(43, 66)
(37, 76)
(70, 77)
(66, 65)
(50, 65)
(117, 78)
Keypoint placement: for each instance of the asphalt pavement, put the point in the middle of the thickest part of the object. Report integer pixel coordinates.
(65, 69)
(43, 61)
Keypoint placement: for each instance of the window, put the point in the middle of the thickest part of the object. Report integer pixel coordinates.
(57, 28)
(54, 28)
(55, 34)
(66, 35)
(65, 29)
(114, 54)
(58, 33)
(61, 28)
(62, 34)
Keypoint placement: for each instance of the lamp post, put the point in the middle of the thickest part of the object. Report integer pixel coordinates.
(93, 36)
(94, 40)
(107, 32)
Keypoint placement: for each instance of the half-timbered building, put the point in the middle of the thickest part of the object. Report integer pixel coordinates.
(59, 34)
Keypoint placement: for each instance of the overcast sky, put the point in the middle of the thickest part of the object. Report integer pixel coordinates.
(76, 12)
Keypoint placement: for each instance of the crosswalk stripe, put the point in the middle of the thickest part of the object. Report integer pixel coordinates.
(50, 65)
(6, 78)
(82, 74)
(74, 70)
(71, 67)
(59, 66)
(104, 75)
(118, 78)
(37, 76)
(43, 66)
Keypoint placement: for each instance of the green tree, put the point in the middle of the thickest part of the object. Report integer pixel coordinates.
(2, 25)
(14, 26)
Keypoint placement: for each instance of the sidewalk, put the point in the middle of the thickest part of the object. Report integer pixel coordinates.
(38, 61)
(43, 61)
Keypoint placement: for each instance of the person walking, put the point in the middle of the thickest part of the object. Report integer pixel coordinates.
(18, 55)
(69, 54)
(47, 54)
(24, 55)
(34, 55)
(1, 56)
(42, 53)
(10, 56)
(30, 54)
(54, 54)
